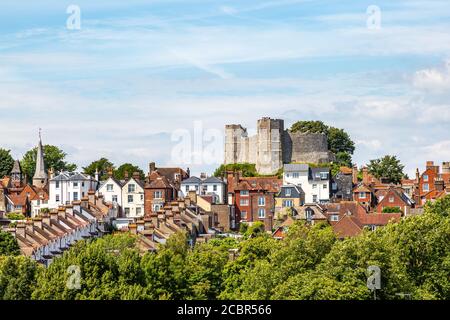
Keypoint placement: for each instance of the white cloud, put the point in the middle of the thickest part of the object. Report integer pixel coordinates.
(435, 80)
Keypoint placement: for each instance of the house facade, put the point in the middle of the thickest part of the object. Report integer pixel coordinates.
(206, 186)
(315, 182)
(133, 197)
(69, 186)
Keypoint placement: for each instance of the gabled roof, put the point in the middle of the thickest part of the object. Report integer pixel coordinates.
(16, 168)
(296, 191)
(295, 167)
(347, 226)
(72, 176)
(192, 180)
(362, 188)
(212, 180)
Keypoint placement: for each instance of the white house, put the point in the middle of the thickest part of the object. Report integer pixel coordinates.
(211, 186)
(111, 190)
(133, 198)
(315, 182)
(69, 186)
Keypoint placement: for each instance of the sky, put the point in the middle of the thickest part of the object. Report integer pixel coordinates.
(143, 81)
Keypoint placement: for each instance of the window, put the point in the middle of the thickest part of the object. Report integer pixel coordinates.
(75, 184)
(261, 213)
(287, 175)
(334, 186)
(315, 198)
(426, 187)
(314, 186)
(317, 175)
(82, 184)
(244, 192)
(215, 187)
(131, 188)
(244, 202)
(75, 196)
(362, 195)
(261, 201)
(127, 211)
(114, 198)
(295, 175)
(130, 198)
(157, 207)
(287, 203)
(142, 197)
(57, 185)
(425, 177)
(288, 192)
(57, 198)
(157, 194)
(187, 188)
(325, 186)
(334, 217)
(109, 187)
(138, 211)
(391, 199)
(196, 188)
(324, 175)
(244, 215)
(309, 213)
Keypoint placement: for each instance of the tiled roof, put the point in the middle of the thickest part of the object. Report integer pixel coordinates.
(295, 167)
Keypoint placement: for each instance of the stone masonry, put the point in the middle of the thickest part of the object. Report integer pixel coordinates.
(273, 146)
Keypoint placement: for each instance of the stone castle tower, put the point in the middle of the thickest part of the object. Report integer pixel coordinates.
(273, 146)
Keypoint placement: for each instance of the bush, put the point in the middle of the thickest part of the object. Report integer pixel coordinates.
(391, 210)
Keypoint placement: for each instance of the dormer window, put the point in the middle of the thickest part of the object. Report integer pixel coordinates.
(362, 195)
(391, 199)
(288, 192)
(131, 188)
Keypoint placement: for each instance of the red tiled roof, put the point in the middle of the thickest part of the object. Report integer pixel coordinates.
(348, 226)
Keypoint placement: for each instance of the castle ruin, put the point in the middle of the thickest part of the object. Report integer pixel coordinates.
(272, 146)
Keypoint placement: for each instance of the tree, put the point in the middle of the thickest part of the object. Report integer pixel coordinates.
(339, 142)
(8, 244)
(102, 165)
(247, 169)
(54, 158)
(388, 167)
(129, 168)
(6, 162)
(17, 277)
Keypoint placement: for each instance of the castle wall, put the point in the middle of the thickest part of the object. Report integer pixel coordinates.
(273, 146)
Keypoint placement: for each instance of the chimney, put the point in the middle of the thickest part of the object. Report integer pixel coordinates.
(439, 185)
(29, 226)
(231, 181)
(365, 175)
(91, 197)
(84, 202)
(136, 176)
(192, 196)
(46, 219)
(151, 167)
(96, 174)
(203, 176)
(445, 167)
(154, 218)
(133, 228)
(188, 172)
(125, 174)
(37, 222)
(62, 212)
(20, 229)
(430, 165)
(54, 214)
(355, 174)
(417, 175)
(110, 172)
(51, 173)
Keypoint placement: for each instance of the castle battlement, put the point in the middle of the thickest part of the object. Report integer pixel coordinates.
(272, 146)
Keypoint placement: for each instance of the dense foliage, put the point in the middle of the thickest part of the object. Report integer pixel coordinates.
(101, 165)
(130, 169)
(310, 263)
(388, 167)
(339, 142)
(8, 244)
(54, 158)
(6, 162)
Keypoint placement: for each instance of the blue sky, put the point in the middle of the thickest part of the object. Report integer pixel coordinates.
(138, 72)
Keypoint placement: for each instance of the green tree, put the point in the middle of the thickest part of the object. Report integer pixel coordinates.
(102, 165)
(248, 169)
(388, 167)
(6, 162)
(17, 277)
(8, 244)
(309, 126)
(119, 174)
(54, 158)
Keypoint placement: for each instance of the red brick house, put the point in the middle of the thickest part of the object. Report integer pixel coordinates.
(364, 195)
(395, 197)
(157, 192)
(253, 198)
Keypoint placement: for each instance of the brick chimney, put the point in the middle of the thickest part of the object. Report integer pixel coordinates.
(417, 175)
(110, 172)
(62, 212)
(20, 229)
(203, 175)
(365, 172)
(46, 219)
(133, 228)
(136, 176)
(125, 174)
(355, 174)
(439, 185)
(193, 196)
(37, 222)
(54, 214)
(445, 167)
(151, 167)
(29, 226)
(91, 197)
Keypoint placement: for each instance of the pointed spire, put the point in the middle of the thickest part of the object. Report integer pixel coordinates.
(40, 175)
(16, 168)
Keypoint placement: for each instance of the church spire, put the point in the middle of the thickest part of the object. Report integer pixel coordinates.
(40, 175)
